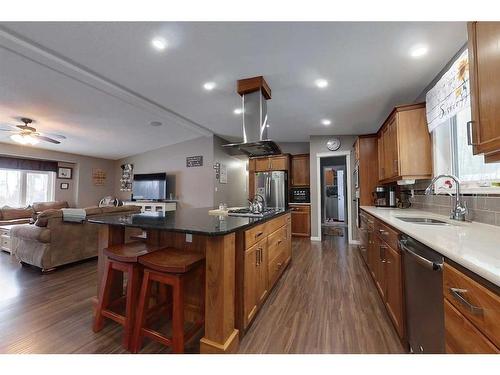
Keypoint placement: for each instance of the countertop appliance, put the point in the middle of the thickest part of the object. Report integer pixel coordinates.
(300, 195)
(384, 196)
(272, 186)
(423, 271)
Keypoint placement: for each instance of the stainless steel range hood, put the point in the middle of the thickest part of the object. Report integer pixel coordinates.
(254, 93)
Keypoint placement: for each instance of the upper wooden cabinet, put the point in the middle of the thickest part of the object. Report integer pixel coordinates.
(272, 163)
(404, 145)
(300, 170)
(484, 74)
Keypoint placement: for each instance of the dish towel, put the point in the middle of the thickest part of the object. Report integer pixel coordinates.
(74, 215)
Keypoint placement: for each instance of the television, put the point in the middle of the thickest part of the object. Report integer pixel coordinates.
(150, 187)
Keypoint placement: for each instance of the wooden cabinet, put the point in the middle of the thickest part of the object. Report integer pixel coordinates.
(404, 145)
(301, 220)
(484, 60)
(384, 262)
(366, 150)
(272, 163)
(251, 178)
(300, 170)
(266, 253)
(473, 307)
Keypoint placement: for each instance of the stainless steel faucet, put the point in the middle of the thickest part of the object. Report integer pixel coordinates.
(459, 210)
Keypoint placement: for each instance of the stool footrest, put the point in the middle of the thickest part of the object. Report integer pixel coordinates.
(130, 252)
(113, 316)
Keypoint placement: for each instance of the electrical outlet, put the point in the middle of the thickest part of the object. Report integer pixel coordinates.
(189, 237)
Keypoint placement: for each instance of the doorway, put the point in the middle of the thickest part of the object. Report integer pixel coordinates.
(334, 195)
(334, 219)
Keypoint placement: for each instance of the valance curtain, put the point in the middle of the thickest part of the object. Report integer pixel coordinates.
(451, 93)
(28, 164)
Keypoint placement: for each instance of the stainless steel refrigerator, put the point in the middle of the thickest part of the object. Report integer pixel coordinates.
(272, 186)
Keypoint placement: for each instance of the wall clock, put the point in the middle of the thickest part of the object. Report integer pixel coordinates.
(333, 144)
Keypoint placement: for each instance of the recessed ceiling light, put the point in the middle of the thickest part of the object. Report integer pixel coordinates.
(326, 122)
(155, 123)
(159, 43)
(238, 111)
(321, 83)
(418, 50)
(209, 86)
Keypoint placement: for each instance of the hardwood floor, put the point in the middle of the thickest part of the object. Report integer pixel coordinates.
(324, 303)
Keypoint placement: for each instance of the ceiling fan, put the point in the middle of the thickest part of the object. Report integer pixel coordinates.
(26, 134)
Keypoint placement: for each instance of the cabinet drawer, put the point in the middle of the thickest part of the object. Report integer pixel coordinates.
(386, 233)
(276, 242)
(275, 267)
(461, 337)
(4, 232)
(474, 301)
(300, 208)
(275, 224)
(255, 234)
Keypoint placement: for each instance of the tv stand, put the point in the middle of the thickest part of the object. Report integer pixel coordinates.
(152, 206)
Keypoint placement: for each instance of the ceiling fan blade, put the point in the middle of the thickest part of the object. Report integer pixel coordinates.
(47, 139)
(7, 130)
(9, 125)
(54, 135)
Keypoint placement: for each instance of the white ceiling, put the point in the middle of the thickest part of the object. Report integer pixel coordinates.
(101, 84)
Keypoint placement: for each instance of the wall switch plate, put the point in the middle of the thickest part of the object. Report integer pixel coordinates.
(189, 237)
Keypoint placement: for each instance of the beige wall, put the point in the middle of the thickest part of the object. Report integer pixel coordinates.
(294, 147)
(317, 145)
(81, 192)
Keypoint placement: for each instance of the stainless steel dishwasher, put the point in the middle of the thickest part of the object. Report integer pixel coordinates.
(423, 277)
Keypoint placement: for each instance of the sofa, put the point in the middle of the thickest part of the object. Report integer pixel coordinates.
(51, 242)
(12, 216)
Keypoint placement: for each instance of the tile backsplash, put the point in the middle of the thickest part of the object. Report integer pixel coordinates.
(482, 208)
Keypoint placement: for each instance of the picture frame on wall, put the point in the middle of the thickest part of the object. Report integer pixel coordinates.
(64, 186)
(65, 173)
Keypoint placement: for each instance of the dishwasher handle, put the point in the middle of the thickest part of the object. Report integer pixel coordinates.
(420, 259)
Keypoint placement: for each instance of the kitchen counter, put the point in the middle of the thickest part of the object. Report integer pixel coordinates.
(185, 220)
(474, 246)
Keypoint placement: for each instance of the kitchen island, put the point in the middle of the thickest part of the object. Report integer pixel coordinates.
(244, 257)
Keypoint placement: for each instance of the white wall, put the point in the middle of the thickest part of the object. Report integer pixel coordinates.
(317, 145)
(82, 192)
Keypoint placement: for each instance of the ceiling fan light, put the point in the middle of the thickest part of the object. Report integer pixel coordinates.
(24, 139)
(31, 140)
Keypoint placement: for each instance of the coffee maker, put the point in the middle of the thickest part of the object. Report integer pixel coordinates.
(384, 196)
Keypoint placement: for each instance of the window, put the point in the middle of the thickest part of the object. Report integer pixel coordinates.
(453, 155)
(22, 188)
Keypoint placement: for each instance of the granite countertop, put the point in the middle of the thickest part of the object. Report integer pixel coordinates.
(473, 245)
(186, 220)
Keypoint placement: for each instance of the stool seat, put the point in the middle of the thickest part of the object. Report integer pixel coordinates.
(130, 252)
(171, 260)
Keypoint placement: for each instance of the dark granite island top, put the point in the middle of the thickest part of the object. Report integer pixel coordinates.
(185, 220)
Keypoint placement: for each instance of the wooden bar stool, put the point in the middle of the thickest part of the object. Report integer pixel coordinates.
(121, 258)
(169, 267)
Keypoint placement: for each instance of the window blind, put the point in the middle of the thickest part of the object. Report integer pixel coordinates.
(9, 162)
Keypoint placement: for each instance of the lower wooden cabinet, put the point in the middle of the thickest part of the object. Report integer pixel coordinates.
(461, 336)
(384, 262)
(267, 253)
(301, 220)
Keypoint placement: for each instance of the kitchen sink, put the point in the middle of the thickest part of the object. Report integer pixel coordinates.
(423, 220)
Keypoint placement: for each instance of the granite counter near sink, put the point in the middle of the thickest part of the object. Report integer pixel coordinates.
(474, 246)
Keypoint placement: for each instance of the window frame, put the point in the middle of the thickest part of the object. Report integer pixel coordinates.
(51, 184)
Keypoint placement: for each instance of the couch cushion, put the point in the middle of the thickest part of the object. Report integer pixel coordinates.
(15, 221)
(43, 217)
(42, 206)
(16, 213)
(31, 232)
(94, 210)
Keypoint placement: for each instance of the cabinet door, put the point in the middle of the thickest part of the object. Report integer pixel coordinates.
(380, 272)
(261, 279)
(392, 149)
(278, 163)
(394, 289)
(300, 170)
(301, 221)
(262, 165)
(484, 60)
(250, 284)
(373, 256)
(364, 238)
(381, 156)
(251, 178)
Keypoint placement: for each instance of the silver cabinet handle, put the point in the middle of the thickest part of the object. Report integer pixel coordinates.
(470, 142)
(457, 294)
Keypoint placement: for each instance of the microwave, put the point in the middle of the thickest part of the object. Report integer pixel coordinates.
(300, 195)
